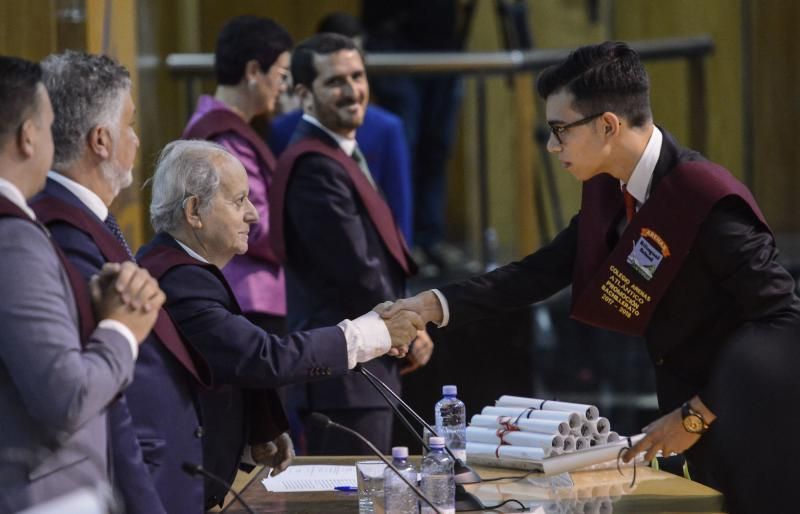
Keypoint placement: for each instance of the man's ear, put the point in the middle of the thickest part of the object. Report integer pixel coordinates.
(302, 92)
(191, 208)
(25, 139)
(99, 141)
(611, 124)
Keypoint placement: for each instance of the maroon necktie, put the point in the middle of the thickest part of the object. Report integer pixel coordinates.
(630, 204)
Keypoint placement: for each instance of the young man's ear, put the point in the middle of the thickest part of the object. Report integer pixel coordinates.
(611, 124)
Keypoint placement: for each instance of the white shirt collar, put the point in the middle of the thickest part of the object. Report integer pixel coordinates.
(15, 196)
(641, 178)
(347, 145)
(88, 197)
(191, 252)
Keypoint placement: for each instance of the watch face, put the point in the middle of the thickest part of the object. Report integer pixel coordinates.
(693, 424)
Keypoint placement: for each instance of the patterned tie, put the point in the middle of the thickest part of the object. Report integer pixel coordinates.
(630, 203)
(362, 163)
(113, 226)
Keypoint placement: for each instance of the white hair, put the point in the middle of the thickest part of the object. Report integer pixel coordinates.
(185, 168)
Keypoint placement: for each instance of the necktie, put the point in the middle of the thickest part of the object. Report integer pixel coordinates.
(630, 204)
(113, 226)
(362, 163)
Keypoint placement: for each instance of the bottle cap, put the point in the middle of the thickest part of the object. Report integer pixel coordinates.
(400, 452)
(449, 390)
(436, 442)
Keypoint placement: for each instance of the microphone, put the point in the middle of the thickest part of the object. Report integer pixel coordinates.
(198, 470)
(463, 473)
(323, 421)
(465, 501)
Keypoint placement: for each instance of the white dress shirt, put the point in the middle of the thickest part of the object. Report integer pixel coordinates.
(93, 202)
(367, 336)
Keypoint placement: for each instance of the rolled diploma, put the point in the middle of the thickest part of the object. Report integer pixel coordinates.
(596, 455)
(581, 443)
(542, 426)
(572, 418)
(489, 436)
(600, 426)
(589, 412)
(505, 452)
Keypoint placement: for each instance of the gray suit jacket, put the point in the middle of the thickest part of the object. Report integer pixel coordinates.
(53, 390)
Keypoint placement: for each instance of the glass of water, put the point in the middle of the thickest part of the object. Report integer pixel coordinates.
(370, 484)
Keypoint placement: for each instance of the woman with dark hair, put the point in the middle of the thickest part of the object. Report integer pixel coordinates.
(251, 64)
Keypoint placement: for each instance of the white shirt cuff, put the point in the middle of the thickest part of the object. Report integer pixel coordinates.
(367, 337)
(120, 327)
(445, 308)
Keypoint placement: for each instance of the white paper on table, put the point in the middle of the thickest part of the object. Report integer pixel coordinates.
(542, 426)
(311, 478)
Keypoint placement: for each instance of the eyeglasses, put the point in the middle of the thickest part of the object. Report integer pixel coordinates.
(559, 130)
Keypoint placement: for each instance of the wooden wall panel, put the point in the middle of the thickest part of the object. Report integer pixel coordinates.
(28, 29)
(776, 111)
(642, 19)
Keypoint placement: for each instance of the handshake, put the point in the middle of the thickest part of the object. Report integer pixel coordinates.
(406, 320)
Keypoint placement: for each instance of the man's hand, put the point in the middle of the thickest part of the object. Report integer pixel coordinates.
(426, 304)
(127, 293)
(403, 327)
(277, 454)
(421, 351)
(668, 435)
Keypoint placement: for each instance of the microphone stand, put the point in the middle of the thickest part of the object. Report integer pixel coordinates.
(325, 421)
(197, 469)
(465, 501)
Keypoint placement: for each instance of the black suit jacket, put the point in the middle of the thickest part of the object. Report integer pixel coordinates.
(731, 279)
(337, 266)
(243, 360)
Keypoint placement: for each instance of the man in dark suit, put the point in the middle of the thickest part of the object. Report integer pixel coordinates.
(59, 370)
(666, 245)
(95, 146)
(342, 248)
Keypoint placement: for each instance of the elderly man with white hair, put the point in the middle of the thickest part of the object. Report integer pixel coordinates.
(202, 216)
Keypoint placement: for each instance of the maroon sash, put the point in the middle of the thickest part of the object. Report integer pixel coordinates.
(159, 259)
(219, 121)
(80, 289)
(267, 419)
(54, 210)
(619, 288)
(376, 206)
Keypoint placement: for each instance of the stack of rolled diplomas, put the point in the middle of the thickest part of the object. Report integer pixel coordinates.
(520, 428)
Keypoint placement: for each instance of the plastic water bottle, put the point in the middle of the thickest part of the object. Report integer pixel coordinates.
(438, 482)
(451, 422)
(398, 497)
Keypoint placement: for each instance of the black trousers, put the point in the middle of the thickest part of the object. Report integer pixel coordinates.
(374, 424)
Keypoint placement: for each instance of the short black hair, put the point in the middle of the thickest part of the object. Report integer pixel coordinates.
(341, 23)
(247, 38)
(19, 80)
(326, 43)
(608, 77)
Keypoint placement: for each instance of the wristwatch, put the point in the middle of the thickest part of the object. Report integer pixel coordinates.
(693, 421)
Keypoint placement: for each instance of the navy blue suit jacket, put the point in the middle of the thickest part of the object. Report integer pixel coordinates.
(145, 475)
(382, 140)
(243, 358)
(337, 266)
